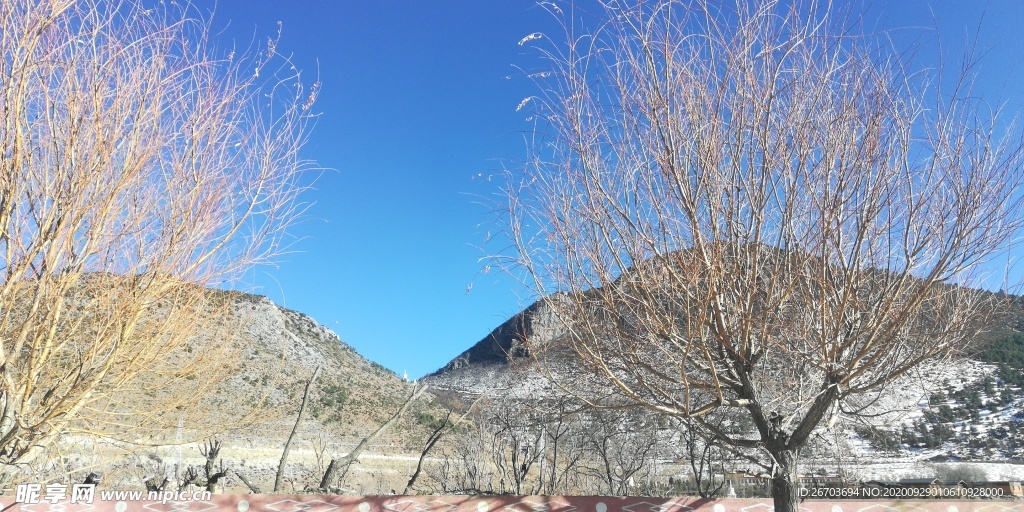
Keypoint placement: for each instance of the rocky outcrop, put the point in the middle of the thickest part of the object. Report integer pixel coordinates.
(274, 352)
(534, 326)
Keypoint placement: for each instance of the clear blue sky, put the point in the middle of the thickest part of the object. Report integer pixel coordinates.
(419, 109)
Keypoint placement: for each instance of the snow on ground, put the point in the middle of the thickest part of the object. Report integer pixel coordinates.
(887, 471)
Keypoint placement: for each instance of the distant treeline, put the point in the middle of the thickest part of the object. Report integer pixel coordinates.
(1008, 353)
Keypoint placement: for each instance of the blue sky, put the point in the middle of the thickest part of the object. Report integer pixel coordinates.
(418, 110)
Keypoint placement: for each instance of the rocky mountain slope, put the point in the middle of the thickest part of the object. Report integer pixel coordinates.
(275, 351)
(283, 347)
(501, 361)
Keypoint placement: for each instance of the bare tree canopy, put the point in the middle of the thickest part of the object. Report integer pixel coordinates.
(138, 164)
(745, 204)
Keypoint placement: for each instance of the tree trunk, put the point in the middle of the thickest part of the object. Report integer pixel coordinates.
(288, 444)
(330, 475)
(786, 482)
(435, 436)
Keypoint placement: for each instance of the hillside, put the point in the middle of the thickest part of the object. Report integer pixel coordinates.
(968, 410)
(284, 346)
(274, 352)
(501, 360)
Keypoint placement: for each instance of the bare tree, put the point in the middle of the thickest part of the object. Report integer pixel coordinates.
(210, 479)
(563, 446)
(338, 468)
(624, 445)
(443, 428)
(517, 438)
(211, 452)
(279, 479)
(432, 439)
(742, 205)
(139, 166)
(465, 467)
(705, 459)
(321, 443)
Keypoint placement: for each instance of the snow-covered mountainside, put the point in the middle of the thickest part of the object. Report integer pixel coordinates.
(966, 410)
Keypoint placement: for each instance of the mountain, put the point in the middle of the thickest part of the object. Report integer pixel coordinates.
(284, 346)
(501, 362)
(273, 352)
(506, 343)
(970, 410)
